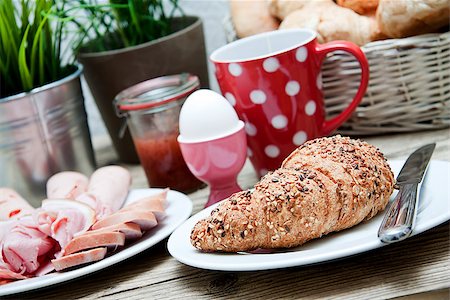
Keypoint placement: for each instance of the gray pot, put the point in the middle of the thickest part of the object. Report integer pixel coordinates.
(43, 132)
(108, 73)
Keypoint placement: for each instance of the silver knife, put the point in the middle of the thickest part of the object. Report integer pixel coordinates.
(398, 222)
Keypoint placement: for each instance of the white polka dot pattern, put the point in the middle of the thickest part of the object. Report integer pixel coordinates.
(235, 69)
(258, 96)
(230, 98)
(278, 98)
(271, 64)
(301, 54)
(279, 121)
(249, 152)
(299, 138)
(292, 88)
(250, 129)
(272, 151)
(310, 108)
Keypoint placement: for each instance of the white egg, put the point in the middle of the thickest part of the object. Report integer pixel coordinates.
(207, 115)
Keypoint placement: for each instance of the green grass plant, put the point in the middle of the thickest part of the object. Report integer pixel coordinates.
(118, 24)
(40, 38)
(30, 45)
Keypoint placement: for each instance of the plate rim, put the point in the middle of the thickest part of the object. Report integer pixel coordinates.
(137, 247)
(285, 263)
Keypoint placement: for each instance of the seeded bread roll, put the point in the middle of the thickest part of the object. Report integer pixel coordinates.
(363, 166)
(326, 185)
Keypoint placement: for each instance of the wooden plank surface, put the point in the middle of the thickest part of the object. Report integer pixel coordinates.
(419, 264)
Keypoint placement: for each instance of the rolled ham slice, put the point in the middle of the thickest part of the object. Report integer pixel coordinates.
(79, 258)
(63, 219)
(90, 241)
(131, 230)
(23, 246)
(146, 220)
(6, 275)
(12, 205)
(66, 185)
(107, 190)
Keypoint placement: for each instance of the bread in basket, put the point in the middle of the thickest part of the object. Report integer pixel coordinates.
(409, 87)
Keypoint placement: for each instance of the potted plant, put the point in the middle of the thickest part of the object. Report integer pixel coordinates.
(43, 123)
(129, 41)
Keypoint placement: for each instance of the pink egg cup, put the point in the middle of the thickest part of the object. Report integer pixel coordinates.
(217, 162)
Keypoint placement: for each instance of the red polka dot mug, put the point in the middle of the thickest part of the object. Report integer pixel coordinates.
(274, 82)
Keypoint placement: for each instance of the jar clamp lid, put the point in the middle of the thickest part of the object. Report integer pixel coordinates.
(155, 92)
(152, 94)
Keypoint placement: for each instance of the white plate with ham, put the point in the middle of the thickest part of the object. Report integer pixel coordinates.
(178, 209)
(433, 210)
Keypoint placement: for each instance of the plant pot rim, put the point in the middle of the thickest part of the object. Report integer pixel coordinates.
(47, 86)
(198, 21)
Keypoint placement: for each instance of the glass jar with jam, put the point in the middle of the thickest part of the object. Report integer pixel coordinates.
(152, 110)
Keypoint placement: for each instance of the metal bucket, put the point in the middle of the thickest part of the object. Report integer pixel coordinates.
(43, 132)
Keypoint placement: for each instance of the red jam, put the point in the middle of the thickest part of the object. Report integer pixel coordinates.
(152, 109)
(164, 165)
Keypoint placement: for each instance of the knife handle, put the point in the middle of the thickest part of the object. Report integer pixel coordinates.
(399, 221)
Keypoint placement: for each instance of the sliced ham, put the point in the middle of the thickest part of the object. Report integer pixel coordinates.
(76, 225)
(8, 275)
(141, 212)
(131, 230)
(4, 281)
(46, 267)
(146, 220)
(155, 204)
(12, 205)
(66, 185)
(24, 246)
(79, 258)
(63, 219)
(89, 241)
(107, 190)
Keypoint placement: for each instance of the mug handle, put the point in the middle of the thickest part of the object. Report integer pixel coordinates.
(322, 50)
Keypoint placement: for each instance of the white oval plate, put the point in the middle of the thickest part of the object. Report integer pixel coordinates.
(179, 208)
(433, 210)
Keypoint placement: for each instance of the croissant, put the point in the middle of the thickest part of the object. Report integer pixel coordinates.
(333, 22)
(282, 8)
(399, 19)
(325, 185)
(362, 7)
(251, 17)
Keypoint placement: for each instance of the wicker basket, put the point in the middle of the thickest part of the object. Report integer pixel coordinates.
(409, 86)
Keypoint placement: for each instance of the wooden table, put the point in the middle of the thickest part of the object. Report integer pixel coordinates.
(419, 264)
